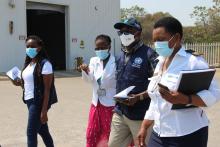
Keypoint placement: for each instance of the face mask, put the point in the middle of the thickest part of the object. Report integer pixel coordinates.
(31, 52)
(162, 48)
(127, 40)
(102, 54)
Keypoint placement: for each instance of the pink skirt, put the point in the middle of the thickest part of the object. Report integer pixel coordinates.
(99, 125)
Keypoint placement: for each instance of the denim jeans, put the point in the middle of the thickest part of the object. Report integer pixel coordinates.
(35, 127)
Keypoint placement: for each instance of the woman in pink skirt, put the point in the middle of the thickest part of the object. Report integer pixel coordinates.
(101, 74)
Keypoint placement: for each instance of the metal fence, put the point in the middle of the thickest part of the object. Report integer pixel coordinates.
(210, 51)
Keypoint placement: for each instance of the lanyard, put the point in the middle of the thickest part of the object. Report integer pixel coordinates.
(99, 82)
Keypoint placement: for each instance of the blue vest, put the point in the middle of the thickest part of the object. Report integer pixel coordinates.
(135, 73)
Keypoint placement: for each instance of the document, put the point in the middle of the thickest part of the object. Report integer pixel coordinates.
(123, 95)
(14, 73)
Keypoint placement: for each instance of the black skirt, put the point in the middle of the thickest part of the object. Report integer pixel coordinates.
(196, 139)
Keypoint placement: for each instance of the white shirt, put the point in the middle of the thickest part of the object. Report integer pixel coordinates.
(108, 80)
(173, 123)
(28, 78)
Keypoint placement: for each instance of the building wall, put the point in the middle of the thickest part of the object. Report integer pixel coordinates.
(85, 20)
(11, 48)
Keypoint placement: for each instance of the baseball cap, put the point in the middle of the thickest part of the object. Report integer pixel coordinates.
(130, 22)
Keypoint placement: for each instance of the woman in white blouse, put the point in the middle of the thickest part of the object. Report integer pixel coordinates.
(101, 74)
(183, 127)
(37, 80)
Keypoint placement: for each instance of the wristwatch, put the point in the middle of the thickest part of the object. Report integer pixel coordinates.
(141, 97)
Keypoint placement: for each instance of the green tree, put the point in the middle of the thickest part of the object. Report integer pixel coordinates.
(207, 27)
(134, 11)
(201, 14)
(195, 34)
(214, 17)
(148, 22)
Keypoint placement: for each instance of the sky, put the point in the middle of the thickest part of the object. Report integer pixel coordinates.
(181, 9)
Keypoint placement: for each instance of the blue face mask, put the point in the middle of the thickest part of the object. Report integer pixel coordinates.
(31, 52)
(163, 49)
(102, 54)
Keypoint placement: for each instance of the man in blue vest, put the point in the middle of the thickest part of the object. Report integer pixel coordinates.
(134, 66)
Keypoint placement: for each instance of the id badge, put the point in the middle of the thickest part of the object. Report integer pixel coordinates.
(101, 92)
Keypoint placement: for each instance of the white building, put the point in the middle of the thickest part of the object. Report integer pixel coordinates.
(68, 28)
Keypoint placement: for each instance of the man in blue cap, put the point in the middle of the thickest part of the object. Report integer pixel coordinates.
(134, 66)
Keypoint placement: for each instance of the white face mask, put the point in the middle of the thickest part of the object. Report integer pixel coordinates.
(127, 40)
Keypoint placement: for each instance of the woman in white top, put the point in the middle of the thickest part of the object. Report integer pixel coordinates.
(101, 74)
(182, 127)
(37, 103)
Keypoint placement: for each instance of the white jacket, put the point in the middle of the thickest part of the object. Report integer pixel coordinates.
(108, 80)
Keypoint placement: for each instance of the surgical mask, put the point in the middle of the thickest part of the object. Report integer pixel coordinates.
(31, 52)
(163, 49)
(127, 39)
(102, 54)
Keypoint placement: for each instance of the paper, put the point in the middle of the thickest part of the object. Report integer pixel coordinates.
(14, 73)
(124, 94)
(198, 70)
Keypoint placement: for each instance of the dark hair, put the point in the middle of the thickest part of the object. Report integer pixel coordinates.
(41, 55)
(104, 37)
(171, 25)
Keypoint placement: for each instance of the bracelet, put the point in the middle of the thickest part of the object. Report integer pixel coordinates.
(189, 99)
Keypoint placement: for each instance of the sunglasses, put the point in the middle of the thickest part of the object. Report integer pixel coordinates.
(123, 32)
(98, 49)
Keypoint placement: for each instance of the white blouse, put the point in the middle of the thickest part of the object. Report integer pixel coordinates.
(173, 123)
(28, 78)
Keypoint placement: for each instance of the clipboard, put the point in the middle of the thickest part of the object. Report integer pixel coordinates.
(191, 82)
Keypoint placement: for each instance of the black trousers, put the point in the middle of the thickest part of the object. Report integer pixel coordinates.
(196, 139)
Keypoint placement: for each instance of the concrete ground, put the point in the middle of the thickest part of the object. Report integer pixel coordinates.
(68, 118)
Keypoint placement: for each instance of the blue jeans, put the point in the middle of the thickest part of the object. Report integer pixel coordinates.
(34, 126)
